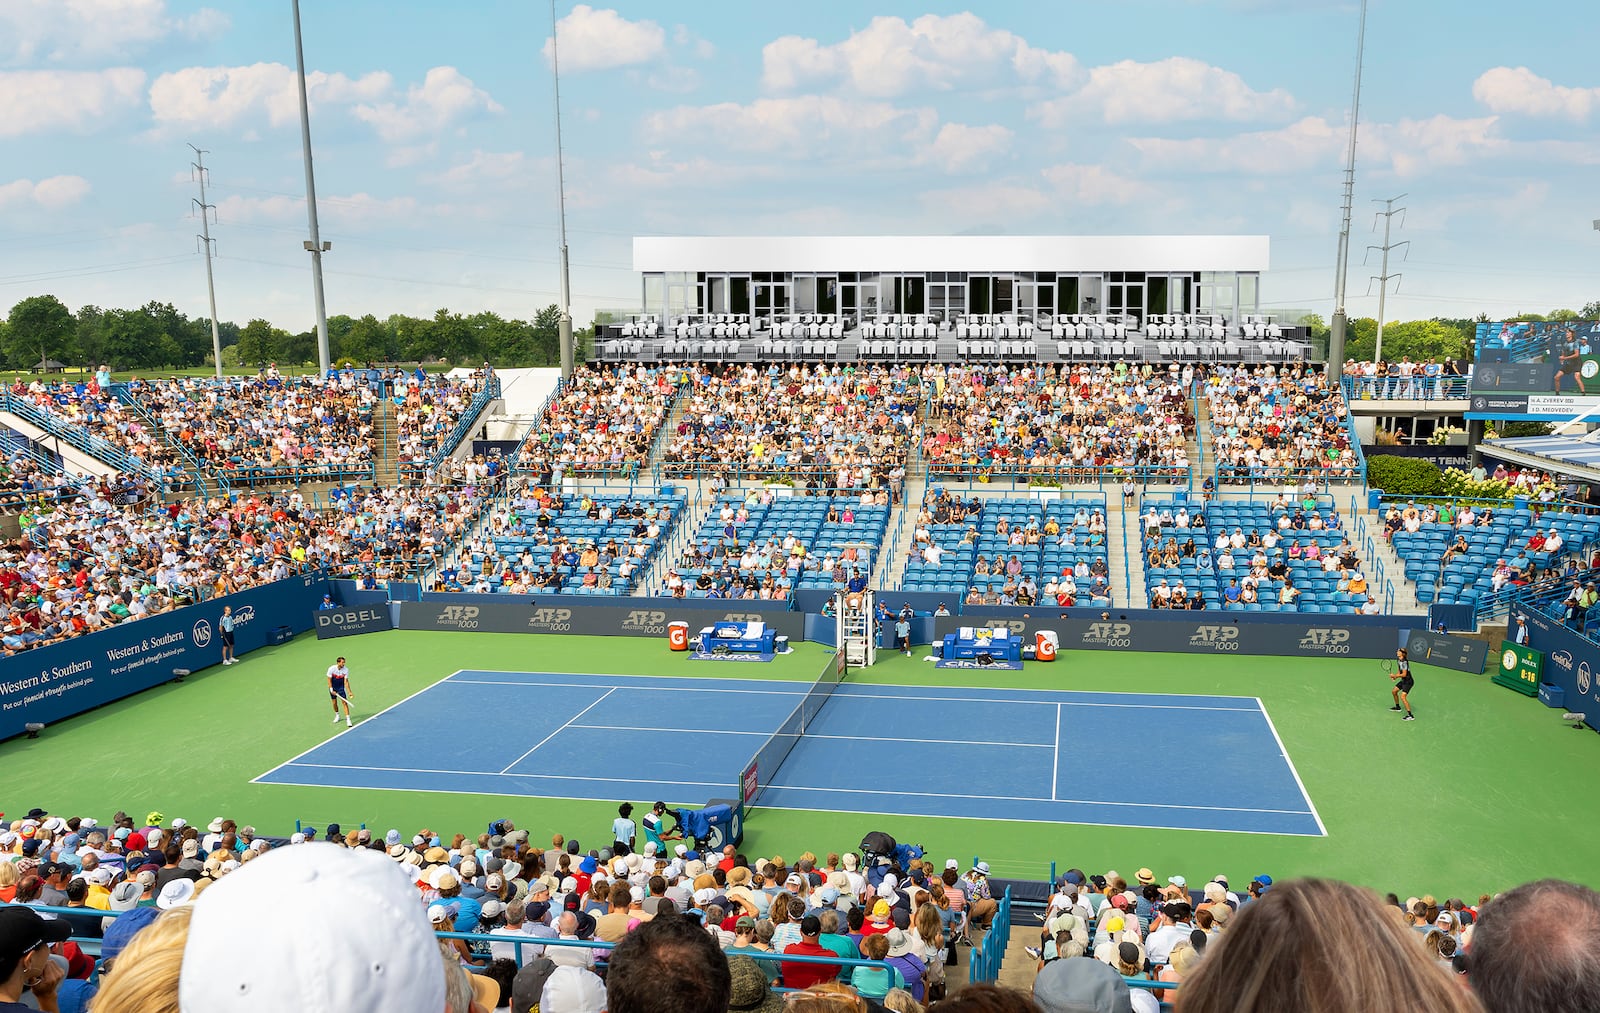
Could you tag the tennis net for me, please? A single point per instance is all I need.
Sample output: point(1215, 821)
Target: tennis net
point(763, 766)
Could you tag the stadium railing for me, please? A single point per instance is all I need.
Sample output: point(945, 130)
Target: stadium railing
point(79, 437)
point(416, 470)
point(1051, 476)
point(1383, 388)
point(990, 952)
point(125, 397)
point(514, 461)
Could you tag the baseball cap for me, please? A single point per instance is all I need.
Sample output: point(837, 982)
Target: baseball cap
point(350, 902)
point(573, 990)
point(527, 988)
point(1081, 985)
point(124, 928)
point(22, 929)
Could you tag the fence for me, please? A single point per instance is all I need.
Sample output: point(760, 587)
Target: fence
point(1398, 388)
point(1050, 476)
point(989, 954)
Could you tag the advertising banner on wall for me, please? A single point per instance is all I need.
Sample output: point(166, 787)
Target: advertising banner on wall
point(583, 620)
point(48, 684)
point(347, 622)
point(1327, 638)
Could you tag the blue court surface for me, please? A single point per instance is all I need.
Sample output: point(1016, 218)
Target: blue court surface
point(1110, 759)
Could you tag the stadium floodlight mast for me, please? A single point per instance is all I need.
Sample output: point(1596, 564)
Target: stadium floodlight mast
point(564, 325)
point(1342, 264)
point(314, 245)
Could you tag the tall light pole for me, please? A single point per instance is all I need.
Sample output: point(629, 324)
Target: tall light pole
point(565, 324)
point(206, 210)
point(1342, 265)
point(315, 244)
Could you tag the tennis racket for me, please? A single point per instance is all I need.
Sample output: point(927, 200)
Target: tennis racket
point(1388, 667)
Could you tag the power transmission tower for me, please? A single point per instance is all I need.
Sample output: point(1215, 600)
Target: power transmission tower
point(207, 211)
point(1387, 214)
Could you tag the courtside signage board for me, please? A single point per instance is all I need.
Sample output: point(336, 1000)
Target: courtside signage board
point(347, 622)
point(1520, 668)
point(48, 684)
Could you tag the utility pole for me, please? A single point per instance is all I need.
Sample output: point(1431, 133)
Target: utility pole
point(314, 245)
point(565, 323)
point(206, 211)
point(1387, 214)
point(1342, 264)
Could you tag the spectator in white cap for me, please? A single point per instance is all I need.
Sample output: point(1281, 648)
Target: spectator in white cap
point(981, 905)
point(573, 990)
point(354, 918)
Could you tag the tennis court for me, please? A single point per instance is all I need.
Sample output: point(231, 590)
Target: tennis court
point(1110, 759)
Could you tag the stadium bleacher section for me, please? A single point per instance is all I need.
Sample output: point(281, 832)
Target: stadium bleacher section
point(1278, 426)
point(602, 421)
point(765, 545)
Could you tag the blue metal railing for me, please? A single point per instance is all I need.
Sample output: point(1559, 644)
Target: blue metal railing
point(990, 476)
point(1414, 388)
point(125, 397)
point(79, 437)
point(988, 955)
point(469, 418)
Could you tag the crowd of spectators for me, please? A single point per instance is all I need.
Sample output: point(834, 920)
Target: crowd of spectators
point(90, 417)
point(603, 420)
point(648, 923)
point(841, 428)
point(1277, 425)
point(987, 420)
point(1425, 380)
point(536, 540)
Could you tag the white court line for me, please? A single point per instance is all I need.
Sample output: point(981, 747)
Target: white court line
point(483, 773)
point(801, 686)
point(1029, 798)
point(1055, 763)
point(653, 689)
point(565, 725)
point(380, 714)
point(1035, 703)
point(808, 735)
point(717, 784)
point(1284, 752)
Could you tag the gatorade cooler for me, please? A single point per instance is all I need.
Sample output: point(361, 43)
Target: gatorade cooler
point(678, 636)
point(1045, 643)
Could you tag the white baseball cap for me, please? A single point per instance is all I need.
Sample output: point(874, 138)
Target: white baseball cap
point(354, 903)
point(573, 990)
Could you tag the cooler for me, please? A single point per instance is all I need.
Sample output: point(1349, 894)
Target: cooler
point(678, 636)
point(1045, 644)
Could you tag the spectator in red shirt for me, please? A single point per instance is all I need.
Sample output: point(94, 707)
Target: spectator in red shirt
point(801, 976)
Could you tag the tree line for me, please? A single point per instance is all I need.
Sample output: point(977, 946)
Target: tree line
point(1437, 338)
point(157, 336)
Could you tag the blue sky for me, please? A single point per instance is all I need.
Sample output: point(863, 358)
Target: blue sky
point(433, 133)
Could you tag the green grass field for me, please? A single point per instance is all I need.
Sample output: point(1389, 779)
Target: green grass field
point(1475, 795)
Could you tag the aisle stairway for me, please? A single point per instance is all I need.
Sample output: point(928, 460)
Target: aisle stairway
point(1127, 571)
point(386, 467)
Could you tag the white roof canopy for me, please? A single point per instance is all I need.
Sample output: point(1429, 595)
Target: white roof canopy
point(979, 254)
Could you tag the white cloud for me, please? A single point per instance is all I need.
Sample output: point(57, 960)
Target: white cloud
point(225, 97)
point(990, 201)
point(601, 39)
point(1095, 184)
point(58, 31)
point(958, 147)
point(445, 97)
point(52, 194)
point(803, 125)
point(1520, 90)
point(1178, 88)
point(1407, 147)
point(482, 166)
point(37, 100)
point(357, 208)
point(892, 57)
point(1412, 146)
point(1309, 143)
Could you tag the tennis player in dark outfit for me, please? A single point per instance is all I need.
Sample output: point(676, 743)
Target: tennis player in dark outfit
point(1402, 684)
